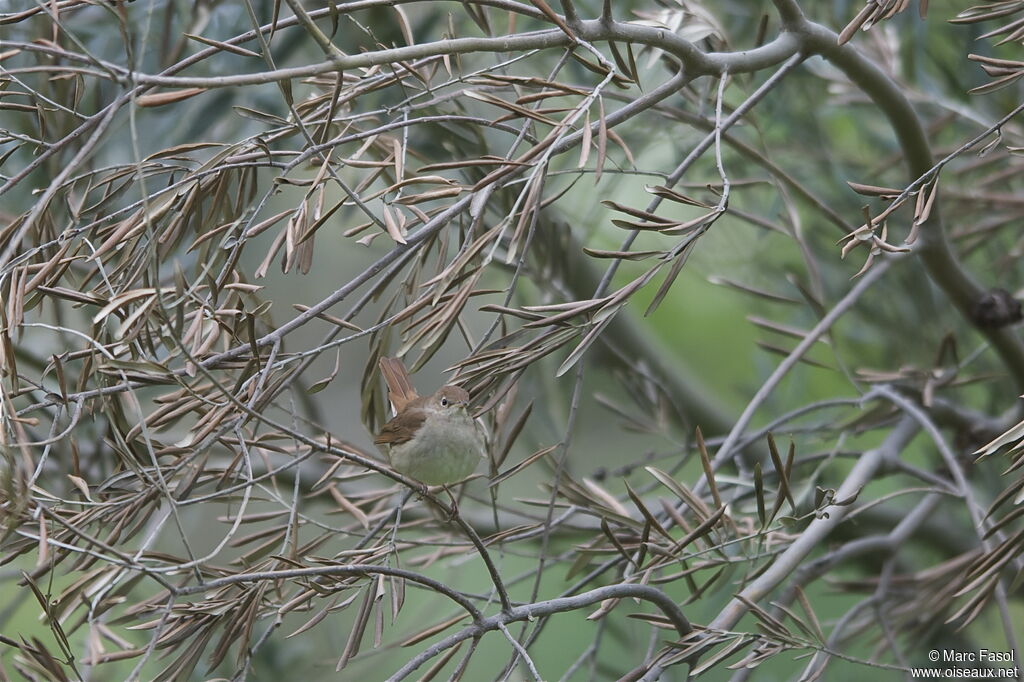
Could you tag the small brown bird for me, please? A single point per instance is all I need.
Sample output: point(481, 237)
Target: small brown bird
point(432, 438)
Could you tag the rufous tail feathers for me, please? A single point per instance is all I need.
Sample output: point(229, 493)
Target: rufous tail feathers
point(400, 388)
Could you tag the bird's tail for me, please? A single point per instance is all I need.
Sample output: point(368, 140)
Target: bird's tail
point(400, 388)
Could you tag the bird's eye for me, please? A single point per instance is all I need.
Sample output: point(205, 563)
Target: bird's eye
point(444, 402)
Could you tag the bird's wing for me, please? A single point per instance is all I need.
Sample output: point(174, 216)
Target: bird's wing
point(401, 428)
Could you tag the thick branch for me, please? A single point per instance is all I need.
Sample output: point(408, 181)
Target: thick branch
point(938, 257)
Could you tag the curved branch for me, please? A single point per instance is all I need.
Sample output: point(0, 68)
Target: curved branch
point(595, 30)
point(938, 257)
point(547, 608)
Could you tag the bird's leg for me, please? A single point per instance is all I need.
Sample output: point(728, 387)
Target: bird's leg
point(454, 511)
point(440, 512)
